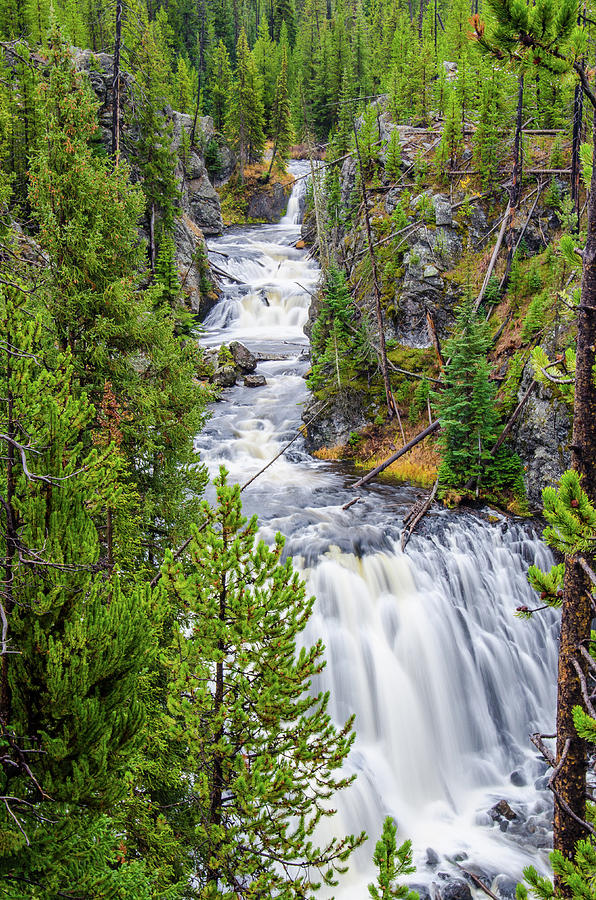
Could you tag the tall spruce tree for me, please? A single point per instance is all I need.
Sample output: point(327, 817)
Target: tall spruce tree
point(263, 753)
point(246, 118)
point(219, 86)
point(281, 118)
point(466, 406)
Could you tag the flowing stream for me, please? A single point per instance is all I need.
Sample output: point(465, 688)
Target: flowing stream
point(424, 647)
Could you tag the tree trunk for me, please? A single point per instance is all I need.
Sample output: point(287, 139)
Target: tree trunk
point(517, 181)
point(421, 17)
point(152, 238)
point(7, 598)
point(116, 86)
point(578, 108)
point(217, 785)
point(576, 617)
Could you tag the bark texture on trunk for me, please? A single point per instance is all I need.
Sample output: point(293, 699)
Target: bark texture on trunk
point(577, 612)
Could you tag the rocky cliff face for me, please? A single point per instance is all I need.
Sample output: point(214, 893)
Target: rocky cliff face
point(428, 245)
point(199, 204)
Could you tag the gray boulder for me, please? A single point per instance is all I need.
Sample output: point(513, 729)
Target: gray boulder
point(255, 381)
point(504, 887)
point(225, 377)
point(455, 889)
point(443, 210)
point(243, 358)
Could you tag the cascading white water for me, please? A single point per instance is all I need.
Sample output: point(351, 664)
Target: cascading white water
point(446, 684)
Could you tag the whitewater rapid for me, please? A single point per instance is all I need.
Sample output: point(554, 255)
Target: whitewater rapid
point(424, 648)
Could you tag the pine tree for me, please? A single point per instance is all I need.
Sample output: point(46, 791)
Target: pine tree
point(570, 531)
point(87, 213)
point(282, 120)
point(184, 87)
point(392, 862)
point(451, 139)
point(487, 137)
point(219, 86)
point(78, 637)
point(284, 13)
point(393, 156)
point(466, 407)
point(263, 751)
point(264, 56)
point(246, 118)
point(154, 153)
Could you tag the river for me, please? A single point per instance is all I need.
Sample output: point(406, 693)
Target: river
point(423, 647)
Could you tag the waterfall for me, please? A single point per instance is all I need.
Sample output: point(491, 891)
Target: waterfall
point(424, 648)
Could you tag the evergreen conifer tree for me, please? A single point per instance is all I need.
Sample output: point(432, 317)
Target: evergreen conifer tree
point(282, 118)
point(246, 118)
point(466, 407)
point(219, 86)
point(263, 751)
point(451, 139)
point(393, 155)
point(392, 862)
point(76, 638)
point(284, 13)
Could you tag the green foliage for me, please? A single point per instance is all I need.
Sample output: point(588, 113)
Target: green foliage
point(420, 399)
point(219, 86)
point(262, 750)
point(492, 293)
point(586, 155)
point(512, 381)
point(392, 862)
point(246, 117)
point(339, 346)
point(466, 407)
point(393, 156)
point(535, 317)
point(451, 139)
point(73, 705)
point(557, 377)
point(281, 116)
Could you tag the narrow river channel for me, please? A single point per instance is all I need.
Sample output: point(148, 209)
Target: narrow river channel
point(424, 648)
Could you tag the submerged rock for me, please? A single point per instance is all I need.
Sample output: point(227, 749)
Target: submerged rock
point(255, 381)
point(502, 810)
point(504, 887)
point(455, 889)
point(432, 857)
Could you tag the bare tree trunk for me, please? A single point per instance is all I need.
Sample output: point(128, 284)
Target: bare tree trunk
point(421, 17)
point(570, 783)
point(517, 181)
point(7, 596)
point(116, 86)
point(152, 238)
point(578, 109)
